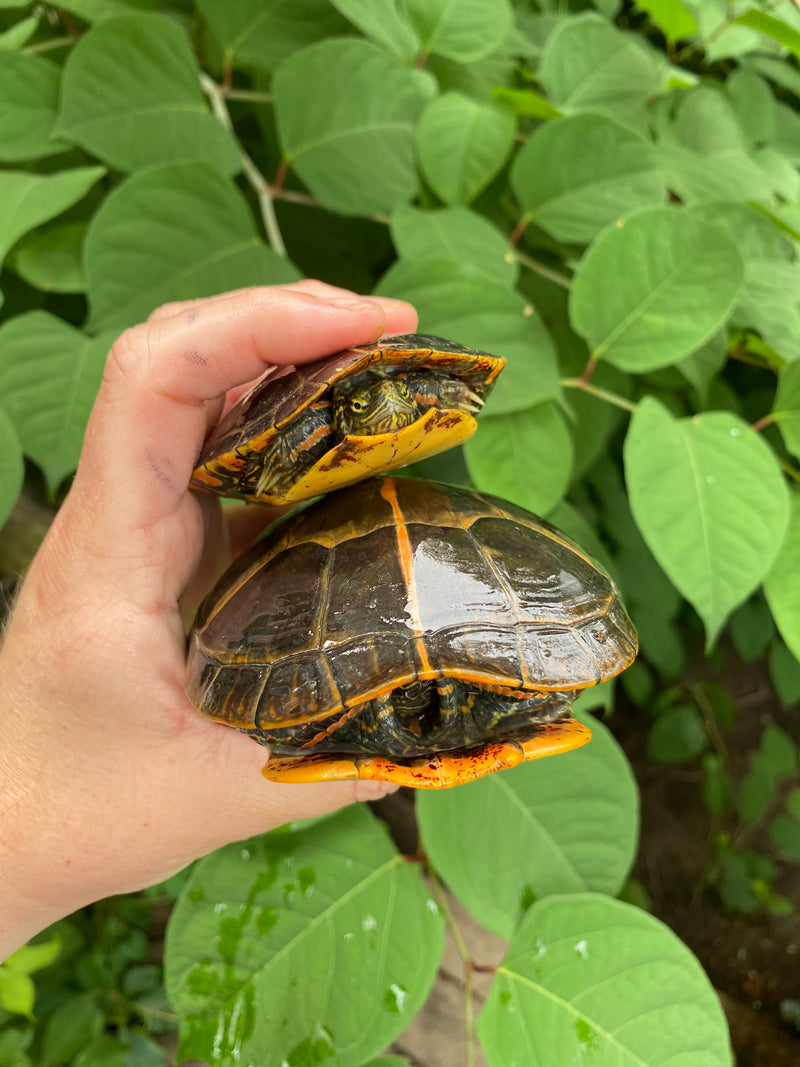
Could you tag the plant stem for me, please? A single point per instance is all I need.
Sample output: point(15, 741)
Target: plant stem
point(49, 45)
point(787, 468)
point(539, 268)
point(248, 94)
point(601, 394)
point(216, 96)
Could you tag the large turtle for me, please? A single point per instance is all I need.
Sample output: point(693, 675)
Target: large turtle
point(320, 426)
point(407, 631)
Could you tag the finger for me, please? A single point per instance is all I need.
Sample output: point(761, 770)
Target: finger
point(151, 413)
point(306, 285)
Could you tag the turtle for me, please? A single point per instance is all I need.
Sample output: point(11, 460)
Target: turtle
point(307, 430)
point(408, 631)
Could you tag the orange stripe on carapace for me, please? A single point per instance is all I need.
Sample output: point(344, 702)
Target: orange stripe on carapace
point(389, 494)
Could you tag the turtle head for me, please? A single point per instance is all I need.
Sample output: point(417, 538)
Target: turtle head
point(378, 406)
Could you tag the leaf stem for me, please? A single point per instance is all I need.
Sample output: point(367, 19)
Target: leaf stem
point(248, 94)
point(787, 468)
point(463, 951)
point(216, 96)
point(49, 45)
point(601, 394)
point(540, 268)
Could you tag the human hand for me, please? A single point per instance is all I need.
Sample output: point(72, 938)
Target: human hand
point(109, 779)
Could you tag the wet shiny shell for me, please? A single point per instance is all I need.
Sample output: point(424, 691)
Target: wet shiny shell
point(232, 458)
point(396, 579)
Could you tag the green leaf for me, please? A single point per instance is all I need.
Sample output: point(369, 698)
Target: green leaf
point(34, 956)
point(262, 33)
point(753, 103)
point(319, 944)
point(655, 288)
point(386, 24)
point(463, 30)
point(589, 65)
point(526, 102)
point(702, 367)
point(18, 35)
point(454, 233)
point(12, 468)
point(710, 501)
point(784, 831)
point(775, 758)
point(678, 734)
point(29, 200)
point(173, 233)
point(560, 825)
point(752, 630)
point(786, 409)
point(346, 114)
point(775, 28)
point(73, 1025)
point(593, 980)
point(782, 586)
point(462, 145)
point(784, 670)
point(49, 376)
point(17, 992)
point(672, 17)
point(29, 91)
point(524, 456)
point(131, 95)
point(456, 300)
point(50, 259)
point(13, 1044)
point(576, 175)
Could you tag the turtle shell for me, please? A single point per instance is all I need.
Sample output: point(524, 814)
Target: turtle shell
point(234, 457)
point(392, 583)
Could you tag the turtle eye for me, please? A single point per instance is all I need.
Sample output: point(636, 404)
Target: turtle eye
point(357, 405)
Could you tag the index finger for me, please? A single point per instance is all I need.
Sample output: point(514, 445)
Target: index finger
point(164, 381)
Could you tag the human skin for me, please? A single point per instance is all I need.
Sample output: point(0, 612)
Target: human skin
point(109, 779)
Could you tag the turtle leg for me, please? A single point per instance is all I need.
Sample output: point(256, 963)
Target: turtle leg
point(296, 449)
point(433, 390)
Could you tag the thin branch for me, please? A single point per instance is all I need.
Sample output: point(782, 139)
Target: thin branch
point(216, 96)
point(463, 951)
point(601, 394)
point(49, 45)
point(539, 268)
point(248, 94)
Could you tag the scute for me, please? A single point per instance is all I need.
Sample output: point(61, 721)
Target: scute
point(355, 596)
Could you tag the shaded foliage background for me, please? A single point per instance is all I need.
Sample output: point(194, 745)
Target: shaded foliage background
point(609, 197)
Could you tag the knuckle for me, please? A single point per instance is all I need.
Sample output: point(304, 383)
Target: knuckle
point(130, 355)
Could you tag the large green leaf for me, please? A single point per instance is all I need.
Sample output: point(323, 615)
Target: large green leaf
point(525, 456)
point(560, 825)
point(387, 24)
point(12, 468)
point(131, 95)
point(262, 33)
point(589, 65)
point(462, 145)
point(49, 375)
point(463, 30)
point(654, 288)
point(29, 199)
point(786, 409)
point(671, 16)
point(318, 944)
point(710, 501)
point(773, 27)
point(29, 92)
point(50, 259)
point(576, 175)
point(346, 115)
point(454, 233)
point(753, 103)
point(173, 233)
point(588, 980)
point(456, 300)
point(783, 583)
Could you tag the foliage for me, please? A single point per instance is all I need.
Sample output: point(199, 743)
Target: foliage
point(610, 199)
